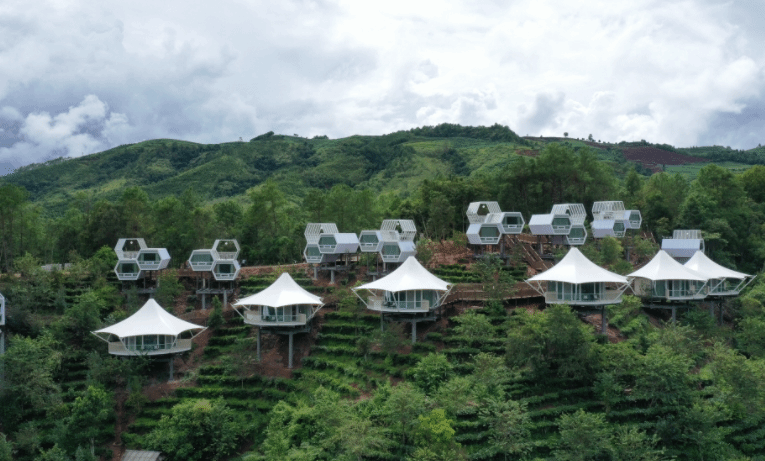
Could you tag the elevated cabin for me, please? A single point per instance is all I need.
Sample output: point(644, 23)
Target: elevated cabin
point(153, 259)
point(397, 251)
point(128, 248)
point(226, 270)
point(664, 279)
point(723, 282)
point(225, 249)
point(607, 210)
point(550, 224)
point(633, 218)
point(602, 228)
point(339, 243)
point(283, 304)
point(128, 270)
point(683, 244)
point(370, 241)
point(577, 235)
point(488, 223)
point(577, 281)
point(512, 222)
point(576, 211)
point(410, 288)
point(150, 331)
point(478, 211)
point(283, 308)
point(201, 260)
point(402, 230)
point(487, 233)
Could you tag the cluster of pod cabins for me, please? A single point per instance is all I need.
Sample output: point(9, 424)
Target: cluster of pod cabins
point(410, 293)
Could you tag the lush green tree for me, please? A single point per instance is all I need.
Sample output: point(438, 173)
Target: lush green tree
point(509, 425)
point(663, 377)
point(434, 438)
point(89, 414)
point(6, 449)
point(404, 404)
point(474, 327)
point(12, 203)
point(197, 430)
point(168, 289)
point(29, 365)
point(583, 436)
point(431, 371)
point(551, 341)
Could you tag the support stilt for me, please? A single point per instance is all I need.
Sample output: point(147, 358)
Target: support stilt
point(172, 365)
point(316, 272)
point(290, 359)
point(258, 344)
point(332, 276)
point(414, 331)
point(712, 309)
point(604, 321)
point(382, 322)
point(204, 301)
point(721, 312)
point(225, 298)
point(674, 314)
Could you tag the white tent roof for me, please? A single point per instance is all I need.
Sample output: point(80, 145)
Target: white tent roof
point(700, 262)
point(151, 319)
point(283, 292)
point(663, 267)
point(409, 276)
point(576, 268)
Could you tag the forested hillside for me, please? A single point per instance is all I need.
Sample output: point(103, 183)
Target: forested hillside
point(498, 377)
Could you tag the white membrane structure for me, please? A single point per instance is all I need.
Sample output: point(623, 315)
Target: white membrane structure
point(665, 279)
point(722, 281)
point(284, 307)
point(577, 281)
point(410, 289)
point(283, 303)
point(150, 331)
point(684, 243)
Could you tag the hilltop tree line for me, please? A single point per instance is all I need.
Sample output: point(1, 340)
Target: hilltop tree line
point(269, 221)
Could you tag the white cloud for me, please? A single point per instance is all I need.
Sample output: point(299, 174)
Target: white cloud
point(661, 71)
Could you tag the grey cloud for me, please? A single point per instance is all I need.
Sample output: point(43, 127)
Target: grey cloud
point(542, 114)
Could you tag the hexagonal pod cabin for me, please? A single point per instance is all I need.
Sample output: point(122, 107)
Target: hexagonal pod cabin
point(153, 259)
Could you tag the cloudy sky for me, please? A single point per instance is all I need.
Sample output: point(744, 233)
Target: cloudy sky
point(78, 77)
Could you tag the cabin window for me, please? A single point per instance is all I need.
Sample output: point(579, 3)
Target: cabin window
point(149, 257)
point(489, 232)
point(559, 222)
point(369, 238)
point(512, 221)
point(225, 268)
point(202, 258)
point(391, 250)
point(576, 233)
point(619, 227)
point(327, 240)
point(128, 268)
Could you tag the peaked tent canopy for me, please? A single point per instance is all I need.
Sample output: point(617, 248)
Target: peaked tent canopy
point(283, 292)
point(577, 269)
point(409, 276)
point(664, 267)
point(151, 319)
point(701, 263)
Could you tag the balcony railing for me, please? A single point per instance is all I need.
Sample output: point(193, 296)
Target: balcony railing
point(225, 276)
point(180, 345)
point(377, 303)
point(510, 228)
point(391, 257)
point(275, 319)
point(490, 240)
point(327, 248)
point(584, 299)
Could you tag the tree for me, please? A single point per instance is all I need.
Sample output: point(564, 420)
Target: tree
point(431, 371)
point(434, 438)
point(6, 449)
point(474, 327)
point(29, 365)
point(89, 414)
point(197, 430)
point(509, 425)
point(404, 404)
point(12, 201)
point(583, 436)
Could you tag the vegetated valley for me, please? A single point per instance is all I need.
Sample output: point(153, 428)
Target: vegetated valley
point(499, 376)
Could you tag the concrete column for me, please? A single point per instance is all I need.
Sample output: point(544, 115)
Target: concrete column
point(172, 365)
point(258, 344)
point(604, 321)
point(225, 298)
point(414, 331)
point(332, 276)
point(712, 309)
point(382, 324)
point(721, 312)
point(315, 272)
point(204, 299)
point(290, 359)
point(674, 314)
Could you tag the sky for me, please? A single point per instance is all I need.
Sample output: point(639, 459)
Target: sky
point(82, 76)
